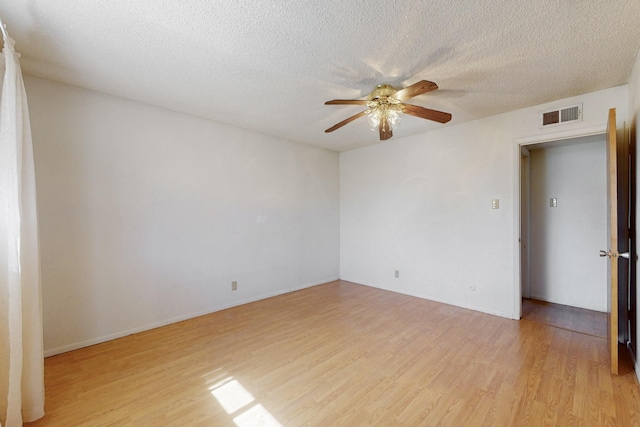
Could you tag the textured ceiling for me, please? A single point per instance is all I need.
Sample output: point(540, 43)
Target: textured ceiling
point(270, 65)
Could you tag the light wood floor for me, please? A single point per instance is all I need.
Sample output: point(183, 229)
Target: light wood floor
point(342, 354)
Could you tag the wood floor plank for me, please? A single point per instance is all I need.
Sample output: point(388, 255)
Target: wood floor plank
point(342, 354)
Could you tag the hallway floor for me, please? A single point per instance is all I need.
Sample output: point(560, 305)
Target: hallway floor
point(563, 316)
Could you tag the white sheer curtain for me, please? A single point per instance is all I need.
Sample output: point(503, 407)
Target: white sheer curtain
point(21, 348)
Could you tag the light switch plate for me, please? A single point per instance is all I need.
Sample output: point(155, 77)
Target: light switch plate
point(553, 202)
point(495, 204)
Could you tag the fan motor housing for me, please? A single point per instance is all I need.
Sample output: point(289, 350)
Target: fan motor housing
point(381, 90)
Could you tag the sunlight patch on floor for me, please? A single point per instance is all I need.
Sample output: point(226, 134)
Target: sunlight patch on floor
point(236, 400)
point(231, 395)
point(256, 416)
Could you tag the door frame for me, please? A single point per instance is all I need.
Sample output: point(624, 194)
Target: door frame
point(518, 144)
point(525, 221)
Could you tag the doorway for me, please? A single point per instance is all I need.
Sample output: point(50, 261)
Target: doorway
point(563, 210)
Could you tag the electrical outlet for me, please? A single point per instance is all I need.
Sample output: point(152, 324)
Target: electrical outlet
point(397, 274)
point(234, 286)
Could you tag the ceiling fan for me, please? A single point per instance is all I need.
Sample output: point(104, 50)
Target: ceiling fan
point(385, 104)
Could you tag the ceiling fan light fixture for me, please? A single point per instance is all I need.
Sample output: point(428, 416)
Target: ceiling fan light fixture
point(394, 117)
point(384, 106)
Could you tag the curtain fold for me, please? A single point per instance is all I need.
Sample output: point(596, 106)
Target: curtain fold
point(21, 339)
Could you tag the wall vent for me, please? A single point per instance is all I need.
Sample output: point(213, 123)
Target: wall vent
point(561, 116)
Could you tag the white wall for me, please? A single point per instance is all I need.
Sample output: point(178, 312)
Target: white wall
point(147, 215)
point(422, 205)
point(634, 124)
point(565, 239)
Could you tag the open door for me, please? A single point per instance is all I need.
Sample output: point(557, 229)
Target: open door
point(612, 253)
point(624, 226)
point(618, 227)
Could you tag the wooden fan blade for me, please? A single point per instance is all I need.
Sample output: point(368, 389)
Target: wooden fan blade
point(345, 121)
point(423, 86)
point(425, 113)
point(385, 129)
point(347, 102)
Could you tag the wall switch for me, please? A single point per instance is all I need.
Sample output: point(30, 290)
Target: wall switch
point(553, 202)
point(397, 274)
point(495, 204)
point(234, 286)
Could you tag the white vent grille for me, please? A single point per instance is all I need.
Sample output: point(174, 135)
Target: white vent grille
point(561, 116)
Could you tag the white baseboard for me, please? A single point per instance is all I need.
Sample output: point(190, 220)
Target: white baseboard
point(120, 334)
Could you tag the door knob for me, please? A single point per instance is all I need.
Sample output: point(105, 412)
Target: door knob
point(614, 254)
